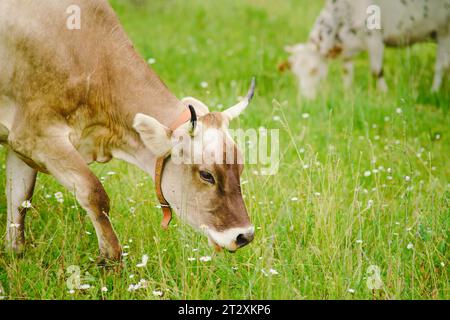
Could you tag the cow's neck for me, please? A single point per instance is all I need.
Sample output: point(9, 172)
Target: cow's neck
point(140, 90)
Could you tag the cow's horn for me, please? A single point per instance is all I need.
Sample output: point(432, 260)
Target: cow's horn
point(237, 109)
point(193, 119)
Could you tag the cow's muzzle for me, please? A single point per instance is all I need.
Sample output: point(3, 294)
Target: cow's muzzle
point(231, 239)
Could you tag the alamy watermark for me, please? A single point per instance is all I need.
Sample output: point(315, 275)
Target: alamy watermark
point(73, 21)
point(374, 281)
point(233, 146)
point(373, 21)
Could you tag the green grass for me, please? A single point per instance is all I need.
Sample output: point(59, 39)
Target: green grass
point(312, 243)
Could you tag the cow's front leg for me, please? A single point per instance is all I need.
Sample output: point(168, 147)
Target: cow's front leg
point(63, 161)
point(348, 73)
point(442, 61)
point(20, 180)
point(375, 47)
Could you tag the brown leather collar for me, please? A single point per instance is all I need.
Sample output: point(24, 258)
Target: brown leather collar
point(159, 168)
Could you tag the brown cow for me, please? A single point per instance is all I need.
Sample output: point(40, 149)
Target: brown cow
point(70, 97)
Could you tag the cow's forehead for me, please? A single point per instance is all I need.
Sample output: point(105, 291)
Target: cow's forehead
point(214, 138)
point(213, 120)
point(211, 137)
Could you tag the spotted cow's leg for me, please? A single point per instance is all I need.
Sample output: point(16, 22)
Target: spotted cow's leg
point(442, 61)
point(20, 180)
point(375, 47)
point(348, 73)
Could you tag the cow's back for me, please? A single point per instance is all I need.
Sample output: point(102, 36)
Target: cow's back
point(42, 59)
point(407, 22)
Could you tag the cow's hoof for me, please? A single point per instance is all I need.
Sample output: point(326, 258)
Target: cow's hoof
point(111, 254)
point(15, 248)
point(109, 264)
point(382, 86)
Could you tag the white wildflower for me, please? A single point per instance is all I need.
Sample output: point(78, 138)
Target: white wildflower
point(104, 289)
point(26, 204)
point(141, 284)
point(204, 84)
point(205, 259)
point(367, 173)
point(273, 271)
point(84, 286)
point(410, 246)
point(144, 261)
point(157, 293)
point(59, 197)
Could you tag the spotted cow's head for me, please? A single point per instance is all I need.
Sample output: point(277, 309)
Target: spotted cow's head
point(308, 66)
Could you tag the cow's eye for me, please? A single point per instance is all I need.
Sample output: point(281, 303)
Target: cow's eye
point(208, 177)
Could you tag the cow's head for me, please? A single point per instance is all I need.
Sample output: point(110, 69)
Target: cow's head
point(309, 66)
point(201, 179)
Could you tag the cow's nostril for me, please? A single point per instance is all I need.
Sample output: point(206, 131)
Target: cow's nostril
point(243, 239)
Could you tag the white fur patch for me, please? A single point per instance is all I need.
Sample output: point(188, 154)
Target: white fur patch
point(227, 239)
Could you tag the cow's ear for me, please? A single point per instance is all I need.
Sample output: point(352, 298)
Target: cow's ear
point(200, 108)
point(153, 134)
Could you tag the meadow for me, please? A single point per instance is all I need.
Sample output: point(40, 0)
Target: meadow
point(361, 196)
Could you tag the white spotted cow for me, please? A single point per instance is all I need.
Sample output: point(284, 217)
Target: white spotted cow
point(344, 28)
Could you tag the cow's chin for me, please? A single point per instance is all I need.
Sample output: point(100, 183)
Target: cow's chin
point(231, 247)
point(217, 242)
